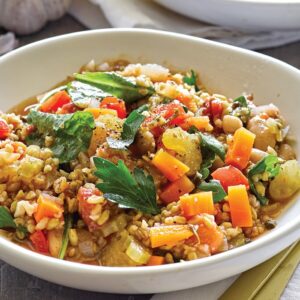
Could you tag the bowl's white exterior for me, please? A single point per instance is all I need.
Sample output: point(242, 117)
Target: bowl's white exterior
point(248, 15)
point(223, 69)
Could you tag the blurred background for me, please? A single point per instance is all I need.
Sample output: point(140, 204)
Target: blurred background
point(270, 27)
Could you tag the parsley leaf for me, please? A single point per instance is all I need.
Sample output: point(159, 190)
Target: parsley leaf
point(210, 147)
point(212, 144)
point(241, 100)
point(269, 164)
point(116, 85)
point(136, 191)
point(130, 128)
point(72, 132)
point(83, 94)
point(214, 186)
point(191, 80)
point(6, 219)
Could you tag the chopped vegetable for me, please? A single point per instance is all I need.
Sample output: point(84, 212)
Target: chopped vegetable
point(208, 233)
point(130, 128)
point(65, 239)
point(138, 253)
point(229, 176)
point(115, 104)
point(177, 188)
point(268, 164)
point(240, 209)
point(116, 85)
point(96, 112)
point(169, 235)
point(53, 103)
point(239, 151)
point(195, 204)
point(287, 181)
point(170, 166)
point(216, 188)
point(85, 95)
point(72, 132)
point(156, 260)
point(4, 130)
point(85, 208)
point(241, 100)
point(39, 241)
point(191, 80)
point(135, 191)
point(201, 123)
point(47, 208)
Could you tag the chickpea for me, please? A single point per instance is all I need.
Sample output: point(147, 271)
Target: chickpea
point(231, 124)
point(286, 152)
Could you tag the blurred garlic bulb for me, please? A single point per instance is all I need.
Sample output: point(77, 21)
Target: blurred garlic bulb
point(27, 16)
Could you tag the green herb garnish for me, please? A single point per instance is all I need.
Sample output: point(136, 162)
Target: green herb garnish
point(130, 128)
point(116, 85)
point(65, 239)
point(72, 132)
point(191, 80)
point(7, 221)
point(210, 147)
point(214, 186)
point(136, 191)
point(269, 164)
point(241, 100)
point(83, 94)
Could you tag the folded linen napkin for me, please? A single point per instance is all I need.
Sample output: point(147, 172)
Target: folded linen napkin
point(148, 14)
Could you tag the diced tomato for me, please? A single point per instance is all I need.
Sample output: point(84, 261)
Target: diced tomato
point(172, 112)
point(85, 208)
point(230, 176)
point(4, 130)
point(213, 108)
point(115, 104)
point(53, 103)
point(40, 242)
point(68, 108)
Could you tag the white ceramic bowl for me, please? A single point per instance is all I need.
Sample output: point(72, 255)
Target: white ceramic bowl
point(248, 15)
point(224, 69)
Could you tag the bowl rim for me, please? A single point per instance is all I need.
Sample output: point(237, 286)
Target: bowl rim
point(206, 261)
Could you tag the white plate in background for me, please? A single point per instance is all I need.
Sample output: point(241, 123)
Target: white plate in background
point(246, 15)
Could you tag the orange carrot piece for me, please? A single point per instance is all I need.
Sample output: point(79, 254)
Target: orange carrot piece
point(239, 151)
point(169, 235)
point(47, 208)
point(240, 209)
point(170, 166)
point(156, 260)
point(199, 203)
point(201, 123)
point(208, 233)
point(177, 188)
point(96, 112)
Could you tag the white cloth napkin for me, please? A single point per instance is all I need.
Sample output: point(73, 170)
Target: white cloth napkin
point(148, 14)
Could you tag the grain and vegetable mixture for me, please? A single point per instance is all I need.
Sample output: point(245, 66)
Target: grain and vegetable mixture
point(130, 164)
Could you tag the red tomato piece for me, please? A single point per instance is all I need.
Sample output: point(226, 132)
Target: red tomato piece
point(68, 108)
point(216, 108)
point(115, 104)
point(53, 103)
point(4, 130)
point(86, 208)
point(230, 176)
point(40, 242)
